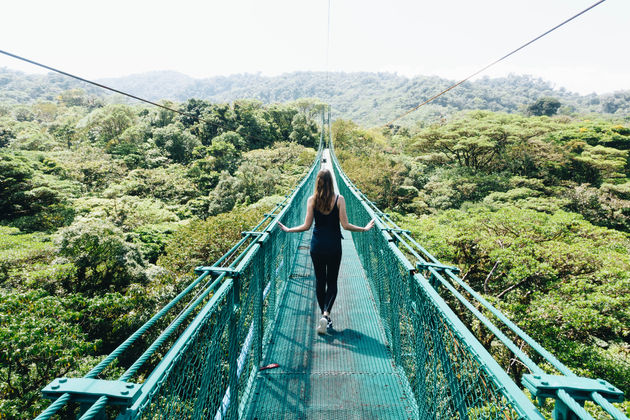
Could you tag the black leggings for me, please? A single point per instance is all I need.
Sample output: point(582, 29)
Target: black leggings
point(326, 272)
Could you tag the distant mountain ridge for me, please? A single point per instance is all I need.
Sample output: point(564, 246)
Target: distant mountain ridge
point(367, 98)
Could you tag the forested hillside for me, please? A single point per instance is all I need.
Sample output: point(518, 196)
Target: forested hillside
point(106, 209)
point(367, 98)
point(534, 210)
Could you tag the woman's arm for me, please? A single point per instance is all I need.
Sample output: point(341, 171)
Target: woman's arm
point(343, 218)
point(308, 220)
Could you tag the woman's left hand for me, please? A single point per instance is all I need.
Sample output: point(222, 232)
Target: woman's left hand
point(369, 226)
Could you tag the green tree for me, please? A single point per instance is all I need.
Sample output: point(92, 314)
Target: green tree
point(253, 127)
point(176, 141)
point(476, 143)
point(281, 117)
point(193, 109)
point(104, 260)
point(74, 97)
point(15, 182)
point(6, 134)
point(42, 339)
point(304, 131)
point(309, 107)
point(216, 120)
point(202, 241)
point(233, 138)
point(27, 203)
point(226, 155)
point(544, 106)
point(204, 174)
point(105, 124)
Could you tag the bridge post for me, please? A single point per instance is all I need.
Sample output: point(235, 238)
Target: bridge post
point(418, 305)
point(275, 268)
point(233, 354)
point(394, 312)
point(321, 136)
point(379, 285)
point(457, 399)
point(261, 276)
point(329, 127)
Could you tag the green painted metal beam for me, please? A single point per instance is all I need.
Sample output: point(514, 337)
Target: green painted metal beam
point(90, 390)
point(580, 388)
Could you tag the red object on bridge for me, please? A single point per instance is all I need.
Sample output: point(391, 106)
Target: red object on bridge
point(271, 366)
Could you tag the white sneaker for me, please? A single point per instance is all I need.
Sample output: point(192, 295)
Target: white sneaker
point(322, 325)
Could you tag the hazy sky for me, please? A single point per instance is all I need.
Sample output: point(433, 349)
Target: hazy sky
point(448, 38)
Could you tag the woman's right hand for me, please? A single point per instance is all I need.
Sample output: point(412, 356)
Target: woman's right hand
point(369, 226)
point(283, 227)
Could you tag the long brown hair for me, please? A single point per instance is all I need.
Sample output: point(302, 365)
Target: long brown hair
point(324, 191)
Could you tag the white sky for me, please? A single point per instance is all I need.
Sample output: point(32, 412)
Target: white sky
point(448, 38)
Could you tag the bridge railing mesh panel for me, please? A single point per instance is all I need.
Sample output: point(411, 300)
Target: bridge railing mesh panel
point(209, 371)
point(450, 372)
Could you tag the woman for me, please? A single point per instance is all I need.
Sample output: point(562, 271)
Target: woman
point(329, 210)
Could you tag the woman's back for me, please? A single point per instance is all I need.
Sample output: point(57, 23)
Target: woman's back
point(327, 232)
point(326, 241)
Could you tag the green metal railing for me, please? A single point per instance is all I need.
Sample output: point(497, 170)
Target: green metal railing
point(452, 374)
point(209, 369)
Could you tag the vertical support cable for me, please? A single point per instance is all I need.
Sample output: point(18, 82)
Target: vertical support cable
point(329, 127)
point(321, 135)
point(421, 352)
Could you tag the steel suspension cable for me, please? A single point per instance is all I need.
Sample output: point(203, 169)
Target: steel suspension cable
point(328, 53)
point(493, 63)
point(186, 114)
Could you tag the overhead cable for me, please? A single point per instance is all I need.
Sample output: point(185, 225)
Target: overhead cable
point(187, 114)
point(493, 63)
point(328, 51)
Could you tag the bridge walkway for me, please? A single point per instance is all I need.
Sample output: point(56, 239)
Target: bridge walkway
point(347, 374)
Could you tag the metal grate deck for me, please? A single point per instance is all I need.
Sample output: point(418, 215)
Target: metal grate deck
point(348, 374)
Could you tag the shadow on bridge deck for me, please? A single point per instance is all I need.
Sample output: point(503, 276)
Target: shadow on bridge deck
point(348, 374)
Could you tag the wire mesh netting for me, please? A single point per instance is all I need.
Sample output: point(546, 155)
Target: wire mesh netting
point(450, 379)
point(210, 369)
point(346, 373)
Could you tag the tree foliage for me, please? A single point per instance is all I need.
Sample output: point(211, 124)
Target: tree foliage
point(544, 106)
point(530, 264)
point(99, 211)
point(371, 99)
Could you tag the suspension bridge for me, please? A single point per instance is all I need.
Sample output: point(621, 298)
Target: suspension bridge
point(244, 344)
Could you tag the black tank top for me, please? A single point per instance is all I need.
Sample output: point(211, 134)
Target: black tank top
point(326, 237)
